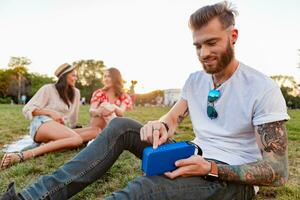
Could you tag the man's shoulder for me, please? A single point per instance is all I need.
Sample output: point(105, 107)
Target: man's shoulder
point(197, 75)
point(255, 78)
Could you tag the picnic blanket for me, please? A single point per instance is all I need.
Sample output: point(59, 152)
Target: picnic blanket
point(24, 143)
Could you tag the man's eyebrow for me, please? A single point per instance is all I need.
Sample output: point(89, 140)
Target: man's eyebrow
point(205, 41)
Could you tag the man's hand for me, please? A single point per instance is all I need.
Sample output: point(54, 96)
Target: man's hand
point(193, 166)
point(154, 132)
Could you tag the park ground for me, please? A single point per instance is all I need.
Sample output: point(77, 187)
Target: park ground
point(13, 125)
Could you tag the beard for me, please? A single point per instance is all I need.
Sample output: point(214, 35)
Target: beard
point(222, 61)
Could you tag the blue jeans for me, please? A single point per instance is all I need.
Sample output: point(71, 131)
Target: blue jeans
point(93, 161)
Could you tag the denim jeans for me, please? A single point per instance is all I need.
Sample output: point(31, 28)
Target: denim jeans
point(93, 161)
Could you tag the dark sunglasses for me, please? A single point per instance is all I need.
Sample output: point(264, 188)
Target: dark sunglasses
point(213, 95)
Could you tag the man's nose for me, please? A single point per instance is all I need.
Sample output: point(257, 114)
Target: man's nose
point(204, 52)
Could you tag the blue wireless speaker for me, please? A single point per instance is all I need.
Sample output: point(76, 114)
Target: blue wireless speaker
point(161, 160)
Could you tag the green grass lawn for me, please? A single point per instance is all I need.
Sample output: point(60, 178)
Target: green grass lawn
point(13, 125)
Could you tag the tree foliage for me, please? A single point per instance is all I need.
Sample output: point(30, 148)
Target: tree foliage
point(13, 82)
point(19, 67)
point(5, 79)
point(36, 81)
point(16, 80)
point(148, 98)
point(287, 82)
point(89, 73)
point(132, 86)
point(292, 102)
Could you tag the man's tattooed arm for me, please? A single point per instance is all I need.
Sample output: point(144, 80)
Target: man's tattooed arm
point(273, 168)
point(182, 116)
point(176, 115)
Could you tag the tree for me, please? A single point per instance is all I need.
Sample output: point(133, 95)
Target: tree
point(292, 102)
point(132, 86)
point(19, 66)
point(287, 82)
point(132, 91)
point(89, 73)
point(149, 98)
point(5, 78)
point(36, 81)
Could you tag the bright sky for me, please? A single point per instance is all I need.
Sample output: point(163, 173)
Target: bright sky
point(148, 40)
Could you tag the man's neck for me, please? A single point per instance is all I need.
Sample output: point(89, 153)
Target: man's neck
point(225, 74)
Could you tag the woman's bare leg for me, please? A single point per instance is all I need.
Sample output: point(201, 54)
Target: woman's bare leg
point(55, 136)
point(88, 133)
point(97, 122)
point(107, 119)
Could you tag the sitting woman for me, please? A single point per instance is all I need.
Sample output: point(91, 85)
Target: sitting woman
point(110, 101)
point(53, 111)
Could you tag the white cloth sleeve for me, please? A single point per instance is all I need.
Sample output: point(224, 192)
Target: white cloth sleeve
point(186, 89)
point(75, 113)
point(38, 101)
point(270, 107)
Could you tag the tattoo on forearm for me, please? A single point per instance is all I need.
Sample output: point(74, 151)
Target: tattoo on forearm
point(272, 170)
point(273, 137)
point(182, 116)
point(259, 173)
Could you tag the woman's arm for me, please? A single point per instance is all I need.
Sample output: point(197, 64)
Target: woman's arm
point(120, 110)
point(75, 112)
point(54, 115)
point(38, 101)
point(125, 105)
point(94, 112)
point(105, 109)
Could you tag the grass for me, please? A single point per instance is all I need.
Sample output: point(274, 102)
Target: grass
point(13, 125)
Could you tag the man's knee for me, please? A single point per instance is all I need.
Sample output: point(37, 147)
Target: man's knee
point(122, 123)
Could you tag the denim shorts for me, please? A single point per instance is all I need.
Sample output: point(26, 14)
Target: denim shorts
point(36, 122)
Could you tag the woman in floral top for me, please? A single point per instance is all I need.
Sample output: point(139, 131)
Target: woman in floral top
point(110, 101)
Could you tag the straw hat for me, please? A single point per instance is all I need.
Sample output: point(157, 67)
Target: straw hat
point(62, 69)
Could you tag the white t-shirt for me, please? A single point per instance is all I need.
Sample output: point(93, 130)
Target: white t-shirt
point(248, 98)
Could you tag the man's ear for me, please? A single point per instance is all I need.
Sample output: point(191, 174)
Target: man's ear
point(234, 35)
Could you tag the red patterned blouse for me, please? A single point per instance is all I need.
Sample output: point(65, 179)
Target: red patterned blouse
point(101, 96)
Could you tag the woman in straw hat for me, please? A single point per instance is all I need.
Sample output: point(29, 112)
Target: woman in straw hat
point(53, 111)
point(110, 101)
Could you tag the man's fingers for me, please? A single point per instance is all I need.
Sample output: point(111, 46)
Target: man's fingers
point(176, 173)
point(188, 161)
point(163, 138)
point(148, 128)
point(155, 138)
point(149, 132)
point(152, 133)
point(189, 170)
point(142, 134)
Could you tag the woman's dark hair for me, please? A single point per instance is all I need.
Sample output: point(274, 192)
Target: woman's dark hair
point(117, 81)
point(65, 91)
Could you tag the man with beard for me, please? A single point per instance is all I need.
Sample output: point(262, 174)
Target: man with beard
point(238, 117)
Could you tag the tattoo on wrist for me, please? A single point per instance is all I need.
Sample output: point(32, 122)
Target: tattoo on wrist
point(182, 116)
point(166, 126)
